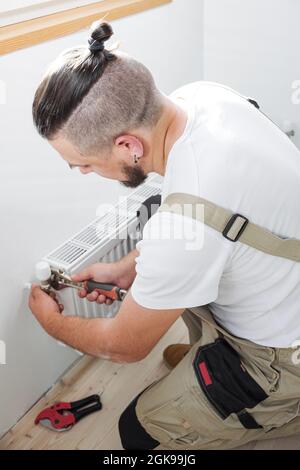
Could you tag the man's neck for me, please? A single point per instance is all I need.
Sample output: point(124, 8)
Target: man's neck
point(169, 128)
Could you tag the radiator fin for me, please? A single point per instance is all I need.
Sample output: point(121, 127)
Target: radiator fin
point(68, 253)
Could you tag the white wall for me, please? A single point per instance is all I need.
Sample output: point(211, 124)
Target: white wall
point(42, 202)
point(253, 46)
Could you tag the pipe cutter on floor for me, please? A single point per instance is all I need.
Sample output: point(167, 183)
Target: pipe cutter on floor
point(63, 415)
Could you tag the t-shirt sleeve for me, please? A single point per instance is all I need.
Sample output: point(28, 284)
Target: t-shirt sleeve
point(180, 263)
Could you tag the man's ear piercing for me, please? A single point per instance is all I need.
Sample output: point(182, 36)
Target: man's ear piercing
point(136, 160)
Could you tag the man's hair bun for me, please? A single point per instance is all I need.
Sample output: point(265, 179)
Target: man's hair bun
point(101, 32)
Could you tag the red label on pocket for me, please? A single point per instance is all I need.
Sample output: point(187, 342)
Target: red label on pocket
point(205, 373)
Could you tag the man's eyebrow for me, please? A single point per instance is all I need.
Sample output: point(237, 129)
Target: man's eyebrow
point(76, 166)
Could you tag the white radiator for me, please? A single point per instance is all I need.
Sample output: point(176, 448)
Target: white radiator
point(108, 238)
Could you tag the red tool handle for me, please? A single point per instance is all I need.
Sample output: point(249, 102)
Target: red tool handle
point(109, 290)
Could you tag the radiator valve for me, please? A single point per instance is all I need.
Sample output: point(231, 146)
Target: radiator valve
point(43, 274)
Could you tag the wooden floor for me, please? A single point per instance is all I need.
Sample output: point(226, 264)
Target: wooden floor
point(118, 384)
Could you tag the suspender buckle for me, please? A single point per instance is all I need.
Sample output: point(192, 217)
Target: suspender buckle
point(235, 227)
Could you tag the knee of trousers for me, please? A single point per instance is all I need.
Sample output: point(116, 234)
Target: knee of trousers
point(132, 434)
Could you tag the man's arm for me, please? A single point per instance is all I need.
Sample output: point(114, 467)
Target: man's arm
point(129, 337)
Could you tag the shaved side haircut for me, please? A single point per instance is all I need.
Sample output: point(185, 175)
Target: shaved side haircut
point(91, 95)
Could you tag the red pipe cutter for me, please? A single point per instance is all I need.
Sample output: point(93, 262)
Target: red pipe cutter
point(63, 415)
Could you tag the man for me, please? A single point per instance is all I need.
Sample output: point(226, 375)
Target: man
point(229, 276)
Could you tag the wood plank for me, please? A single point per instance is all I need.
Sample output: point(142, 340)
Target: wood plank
point(32, 32)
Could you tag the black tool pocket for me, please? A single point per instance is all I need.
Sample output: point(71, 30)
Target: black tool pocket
point(226, 383)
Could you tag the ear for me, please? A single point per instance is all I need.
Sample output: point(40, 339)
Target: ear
point(131, 145)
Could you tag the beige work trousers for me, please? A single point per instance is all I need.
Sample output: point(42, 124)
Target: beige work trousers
point(177, 413)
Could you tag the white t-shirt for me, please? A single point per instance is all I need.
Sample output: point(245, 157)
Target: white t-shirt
point(234, 156)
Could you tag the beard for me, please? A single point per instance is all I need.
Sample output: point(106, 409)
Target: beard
point(134, 176)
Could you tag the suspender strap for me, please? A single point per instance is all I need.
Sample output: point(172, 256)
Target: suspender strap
point(234, 227)
point(247, 420)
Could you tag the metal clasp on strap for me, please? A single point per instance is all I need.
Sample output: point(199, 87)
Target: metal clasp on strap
point(235, 227)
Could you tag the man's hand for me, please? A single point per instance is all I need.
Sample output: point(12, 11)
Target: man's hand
point(121, 274)
point(44, 307)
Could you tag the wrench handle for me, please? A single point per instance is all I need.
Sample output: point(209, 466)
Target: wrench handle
point(109, 290)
